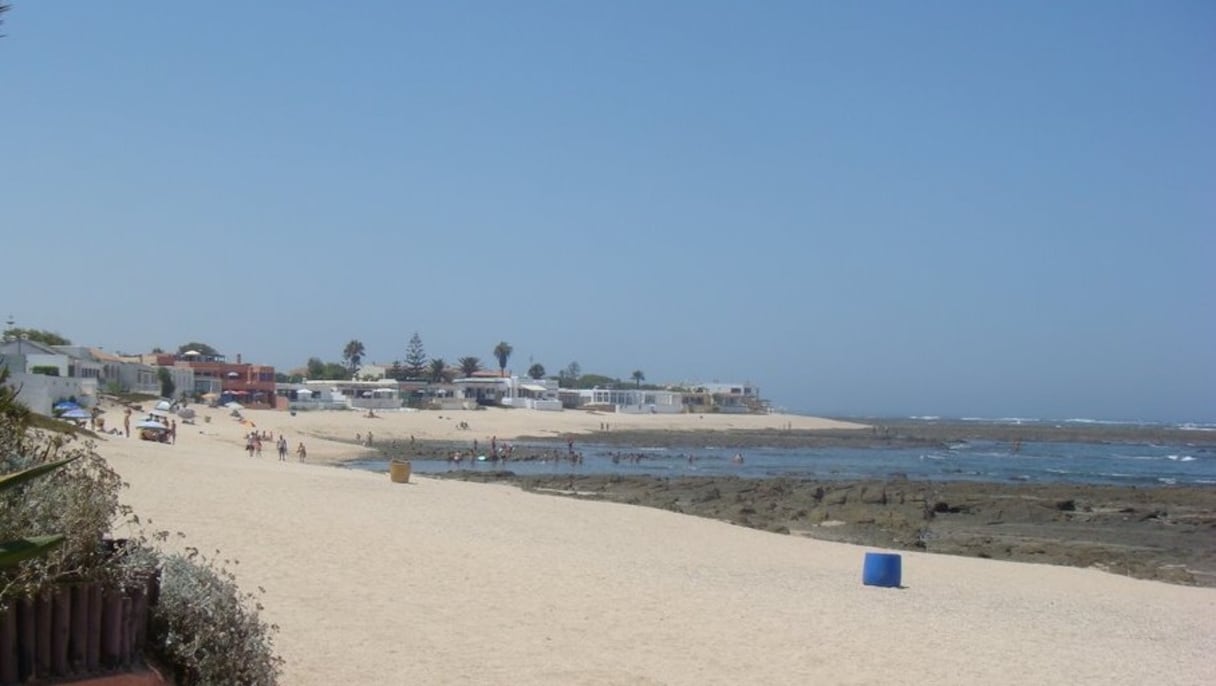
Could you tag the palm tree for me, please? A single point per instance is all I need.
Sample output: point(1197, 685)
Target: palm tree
point(537, 371)
point(503, 352)
point(469, 366)
point(638, 377)
point(353, 354)
point(439, 370)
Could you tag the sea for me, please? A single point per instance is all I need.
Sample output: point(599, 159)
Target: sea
point(1120, 464)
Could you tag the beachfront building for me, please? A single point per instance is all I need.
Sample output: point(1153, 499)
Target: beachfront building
point(624, 400)
point(46, 376)
point(119, 375)
point(334, 395)
point(251, 385)
point(508, 391)
point(534, 394)
point(730, 398)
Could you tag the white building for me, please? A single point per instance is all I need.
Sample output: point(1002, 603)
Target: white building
point(46, 376)
point(627, 400)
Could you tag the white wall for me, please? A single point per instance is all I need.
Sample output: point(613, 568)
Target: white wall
point(40, 392)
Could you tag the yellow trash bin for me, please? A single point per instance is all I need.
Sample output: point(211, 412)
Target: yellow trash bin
point(399, 471)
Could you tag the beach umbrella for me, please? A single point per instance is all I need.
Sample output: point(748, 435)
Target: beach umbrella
point(157, 413)
point(149, 424)
point(77, 413)
point(65, 405)
point(186, 413)
point(234, 406)
point(164, 405)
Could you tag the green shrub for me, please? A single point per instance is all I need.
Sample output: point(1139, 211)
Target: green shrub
point(46, 370)
point(203, 627)
point(79, 500)
point(207, 630)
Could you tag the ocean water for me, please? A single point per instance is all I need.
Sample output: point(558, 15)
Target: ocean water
point(987, 461)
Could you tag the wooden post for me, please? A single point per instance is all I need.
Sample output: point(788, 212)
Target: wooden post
point(111, 627)
point(140, 617)
point(42, 651)
point(61, 620)
point(92, 655)
point(26, 633)
point(8, 644)
point(78, 640)
point(125, 646)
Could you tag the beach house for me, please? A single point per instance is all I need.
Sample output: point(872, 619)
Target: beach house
point(46, 375)
point(729, 398)
point(251, 385)
point(118, 375)
point(624, 400)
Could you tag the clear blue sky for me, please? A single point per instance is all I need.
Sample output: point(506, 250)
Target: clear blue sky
point(951, 208)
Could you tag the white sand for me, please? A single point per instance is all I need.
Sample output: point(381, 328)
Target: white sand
point(443, 582)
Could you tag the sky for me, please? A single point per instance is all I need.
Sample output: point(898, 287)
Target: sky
point(881, 209)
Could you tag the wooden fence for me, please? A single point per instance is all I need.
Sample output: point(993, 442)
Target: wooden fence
point(75, 631)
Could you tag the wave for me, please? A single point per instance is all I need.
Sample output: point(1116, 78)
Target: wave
point(1180, 458)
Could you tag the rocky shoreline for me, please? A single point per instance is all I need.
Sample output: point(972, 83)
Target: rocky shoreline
point(1163, 533)
point(1166, 534)
point(903, 433)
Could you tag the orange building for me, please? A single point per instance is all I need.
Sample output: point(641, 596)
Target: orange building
point(251, 385)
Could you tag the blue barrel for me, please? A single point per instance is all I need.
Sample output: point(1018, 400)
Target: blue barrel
point(881, 569)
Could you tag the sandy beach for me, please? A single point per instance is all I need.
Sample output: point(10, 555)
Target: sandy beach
point(449, 582)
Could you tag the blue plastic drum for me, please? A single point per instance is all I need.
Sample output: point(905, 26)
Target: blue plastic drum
point(882, 569)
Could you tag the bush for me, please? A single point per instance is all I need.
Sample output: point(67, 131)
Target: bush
point(45, 370)
point(203, 627)
point(80, 501)
point(208, 630)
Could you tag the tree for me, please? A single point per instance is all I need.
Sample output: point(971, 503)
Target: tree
point(597, 381)
point(397, 371)
point(353, 354)
point(316, 368)
point(4, 7)
point(438, 370)
point(335, 372)
point(415, 358)
point(36, 335)
point(469, 366)
point(166, 382)
point(537, 371)
point(503, 352)
point(197, 347)
point(568, 377)
point(638, 377)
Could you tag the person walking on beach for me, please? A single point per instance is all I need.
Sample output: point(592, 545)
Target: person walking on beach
point(282, 448)
point(301, 452)
point(173, 431)
point(126, 422)
point(249, 444)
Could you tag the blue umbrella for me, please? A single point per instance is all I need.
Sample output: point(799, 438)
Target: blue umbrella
point(77, 413)
point(65, 405)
